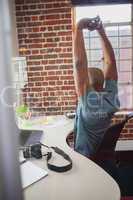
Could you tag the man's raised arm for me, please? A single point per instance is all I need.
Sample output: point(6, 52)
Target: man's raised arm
point(81, 64)
point(110, 71)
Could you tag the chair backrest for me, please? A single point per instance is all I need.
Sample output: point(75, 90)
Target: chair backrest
point(111, 136)
point(108, 144)
point(113, 133)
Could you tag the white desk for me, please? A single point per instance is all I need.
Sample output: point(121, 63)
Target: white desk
point(86, 180)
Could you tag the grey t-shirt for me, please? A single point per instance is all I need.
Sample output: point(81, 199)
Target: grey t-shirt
point(93, 116)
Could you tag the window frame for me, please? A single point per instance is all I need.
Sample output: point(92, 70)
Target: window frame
point(98, 2)
point(121, 24)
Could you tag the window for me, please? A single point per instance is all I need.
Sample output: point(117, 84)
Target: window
point(119, 30)
point(20, 78)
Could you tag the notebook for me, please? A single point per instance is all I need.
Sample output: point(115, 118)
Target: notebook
point(30, 173)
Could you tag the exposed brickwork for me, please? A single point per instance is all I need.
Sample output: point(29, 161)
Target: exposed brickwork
point(45, 38)
point(127, 132)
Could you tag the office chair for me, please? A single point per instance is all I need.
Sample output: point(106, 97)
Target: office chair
point(106, 150)
point(112, 161)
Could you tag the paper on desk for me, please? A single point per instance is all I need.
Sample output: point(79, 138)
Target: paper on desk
point(41, 122)
point(21, 157)
point(30, 173)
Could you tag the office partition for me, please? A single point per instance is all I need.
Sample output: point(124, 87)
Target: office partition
point(10, 183)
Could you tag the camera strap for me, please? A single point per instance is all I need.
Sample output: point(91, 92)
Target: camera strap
point(59, 168)
point(36, 152)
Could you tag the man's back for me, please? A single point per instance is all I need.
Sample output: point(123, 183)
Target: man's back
point(94, 113)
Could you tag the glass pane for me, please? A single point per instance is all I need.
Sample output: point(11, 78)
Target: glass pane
point(96, 55)
point(95, 43)
point(125, 54)
point(86, 33)
point(97, 64)
point(125, 77)
point(87, 43)
point(125, 42)
point(125, 66)
point(125, 96)
point(114, 41)
point(108, 13)
point(116, 51)
point(94, 34)
point(117, 65)
point(112, 31)
point(125, 30)
point(88, 55)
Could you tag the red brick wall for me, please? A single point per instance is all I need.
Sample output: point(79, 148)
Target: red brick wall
point(127, 132)
point(45, 38)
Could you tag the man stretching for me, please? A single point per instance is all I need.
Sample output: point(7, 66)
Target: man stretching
point(96, 103)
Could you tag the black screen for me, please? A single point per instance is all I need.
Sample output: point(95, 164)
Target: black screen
point(29, 137)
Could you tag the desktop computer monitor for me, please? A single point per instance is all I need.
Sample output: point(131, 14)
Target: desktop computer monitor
point(29, 137)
